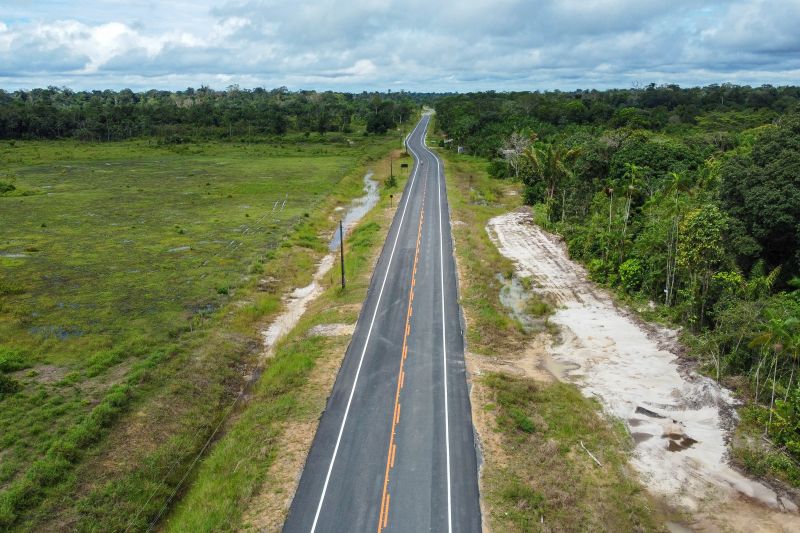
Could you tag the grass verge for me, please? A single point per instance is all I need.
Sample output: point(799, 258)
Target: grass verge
point(536, 475)
point(248, 479)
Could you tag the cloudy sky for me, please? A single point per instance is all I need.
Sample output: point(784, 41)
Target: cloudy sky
point(428, 45)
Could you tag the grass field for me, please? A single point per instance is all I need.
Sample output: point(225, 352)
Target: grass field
point(127, 290)
point(247, 480)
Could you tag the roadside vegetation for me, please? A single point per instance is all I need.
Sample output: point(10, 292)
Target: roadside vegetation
point(247, 481)
point(135, 278)
point(536, 475)
point(686, 202)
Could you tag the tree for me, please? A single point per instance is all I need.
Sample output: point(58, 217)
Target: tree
point(701, 253)
point(514, 148)
point(761, 192)
point(779, 337)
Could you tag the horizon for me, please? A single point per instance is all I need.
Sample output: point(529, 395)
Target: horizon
point(356, 92)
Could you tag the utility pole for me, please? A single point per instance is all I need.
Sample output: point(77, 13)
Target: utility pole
point(341, 249)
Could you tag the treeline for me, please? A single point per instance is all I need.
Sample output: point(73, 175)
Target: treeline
point(687, 198)
point(55, 113)
point(481, 121)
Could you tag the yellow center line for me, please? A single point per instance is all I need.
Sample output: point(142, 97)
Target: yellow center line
point(383, 517)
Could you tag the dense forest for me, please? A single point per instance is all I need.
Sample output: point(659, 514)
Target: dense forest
point(685, 198)
point(54, 113)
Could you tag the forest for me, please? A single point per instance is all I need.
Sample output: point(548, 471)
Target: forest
point(686, 202)
point(193, 114)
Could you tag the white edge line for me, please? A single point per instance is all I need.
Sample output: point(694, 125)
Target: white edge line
point(366, 343)
point(444, 339)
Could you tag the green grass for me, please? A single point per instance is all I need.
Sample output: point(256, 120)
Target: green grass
point(127, 293)
point(549, 482)
point(758, 457)
point(237, 468)
point(474, 199)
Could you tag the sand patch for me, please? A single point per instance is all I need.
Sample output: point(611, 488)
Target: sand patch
point(682, 420)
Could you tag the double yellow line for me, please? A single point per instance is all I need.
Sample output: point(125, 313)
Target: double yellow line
point(383, 518)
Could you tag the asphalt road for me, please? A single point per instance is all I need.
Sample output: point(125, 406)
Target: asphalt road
point(395, 449)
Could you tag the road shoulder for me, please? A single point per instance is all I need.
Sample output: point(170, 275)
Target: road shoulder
point(536, 434)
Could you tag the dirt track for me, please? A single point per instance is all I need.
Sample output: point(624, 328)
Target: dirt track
point(678, 419)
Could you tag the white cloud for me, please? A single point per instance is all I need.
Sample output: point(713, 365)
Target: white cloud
point(418, 44)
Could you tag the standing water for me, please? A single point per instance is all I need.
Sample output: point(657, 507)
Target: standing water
point(358, 208)
point(297, 302)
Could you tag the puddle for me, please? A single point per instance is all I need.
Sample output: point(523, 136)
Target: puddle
point(299, 299)
point(358, 208)
point(13, 255)
point(674, 527)
point(613, 357)
point(678, 445)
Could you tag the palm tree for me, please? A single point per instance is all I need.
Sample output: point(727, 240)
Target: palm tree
point(550, 166)
point(778, 335)
point(678, 183)
point(632, 173)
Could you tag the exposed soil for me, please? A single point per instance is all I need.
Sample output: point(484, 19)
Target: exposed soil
point(679, 420)
point(297, 302)
point(332, 330)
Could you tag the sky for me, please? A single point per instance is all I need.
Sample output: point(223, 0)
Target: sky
point(415, 45)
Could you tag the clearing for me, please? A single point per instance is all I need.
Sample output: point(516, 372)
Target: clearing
point(679, 420)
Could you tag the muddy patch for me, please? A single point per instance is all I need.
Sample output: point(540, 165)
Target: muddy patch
point(47, 374)
point(681, 418)
point(332, 330)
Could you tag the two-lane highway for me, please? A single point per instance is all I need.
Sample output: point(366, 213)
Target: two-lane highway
point(395, 449)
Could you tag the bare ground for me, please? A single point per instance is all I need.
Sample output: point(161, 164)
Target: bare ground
point(679, 419)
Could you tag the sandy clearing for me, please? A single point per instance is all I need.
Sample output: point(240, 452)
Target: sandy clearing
point(679, 419)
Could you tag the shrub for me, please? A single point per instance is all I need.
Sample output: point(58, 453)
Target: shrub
point(12, 360)
point(8, 386)
point(631, 275)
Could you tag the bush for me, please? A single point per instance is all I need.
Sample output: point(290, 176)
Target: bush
point(631, 275)
point(12, 360)
point(498, 169)
point(8, 386)
point(6, 187)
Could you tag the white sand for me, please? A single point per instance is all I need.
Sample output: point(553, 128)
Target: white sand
point(625, 365)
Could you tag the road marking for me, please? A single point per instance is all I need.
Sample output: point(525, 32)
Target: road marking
point(366, 342)
point(383, 517)
point(444, 340)
point(386, 514)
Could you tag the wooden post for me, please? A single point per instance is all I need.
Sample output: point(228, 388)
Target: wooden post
point(341, 249)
